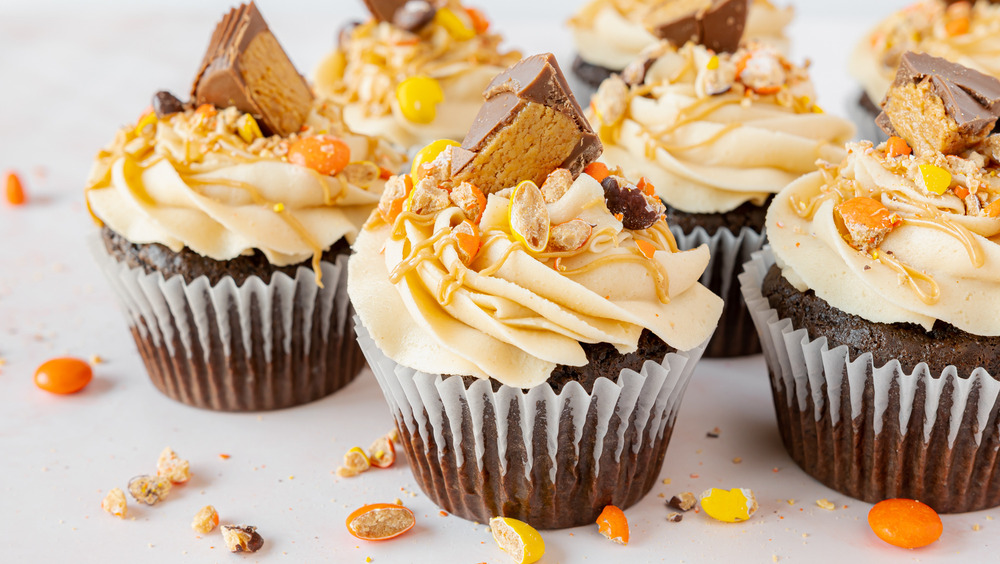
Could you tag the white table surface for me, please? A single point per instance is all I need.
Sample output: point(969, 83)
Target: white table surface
point(69, 76)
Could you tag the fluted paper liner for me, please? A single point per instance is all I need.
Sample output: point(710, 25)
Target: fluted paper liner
point(253, 347)
point(878, 433)
point(480, 453)
point(736, 335)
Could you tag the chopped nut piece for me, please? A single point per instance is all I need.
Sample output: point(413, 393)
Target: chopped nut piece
point(175, 469)
point(569, 236)
point(556, 184)
point(361, 173)
point(825, 504)
point(470, 199)
point(867, 222)
point(394, 195)
point(205, 520)
point(528, 216)
point(611, 100)
point(114, 503)
point(149, 489)
point(683, 502)
point(427, 198)
point(242, 538)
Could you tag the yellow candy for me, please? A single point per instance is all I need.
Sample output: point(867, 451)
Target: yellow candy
point(713, 63)
point(248, 128)
point(418, 97)
point(279, 207)
point(428, 154)
point(935, 178)
point(454, 25)
point(732, 506)
point(147, 120)
point(518, 539)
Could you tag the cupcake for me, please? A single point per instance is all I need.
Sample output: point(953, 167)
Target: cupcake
point(875, 304)
point(525, 378)
point(962, 32)
point(225, 226)
point(717, 135)
point(610, 34)
point(415, 71)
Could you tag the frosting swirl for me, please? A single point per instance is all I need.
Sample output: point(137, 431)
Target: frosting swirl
point(190, 180)
point(937, 259)
point(612, 33)
point(363, 74)
point(961, 33)
point(712, 132)
point(514, 314)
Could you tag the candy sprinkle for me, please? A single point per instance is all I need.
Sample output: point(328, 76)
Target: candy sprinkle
point(15, 190)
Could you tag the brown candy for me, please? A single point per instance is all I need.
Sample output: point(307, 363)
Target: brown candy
point(530, 125)
point(414, 15)
point(716, 24)
point(938, 106)
point(246, 68)
point(242, 538)
point(638, 211)
point(165, 103)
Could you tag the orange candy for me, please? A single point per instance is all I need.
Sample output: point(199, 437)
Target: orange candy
point(647, 248)
point(646, 187)
point(612, 524)
point(896, 146)
point(597, 170)
point(15, 190)
point(325, 154)
point(479, 21)
point(380, 521)
point(467, 235)
point(63, 375)
point(905, 523)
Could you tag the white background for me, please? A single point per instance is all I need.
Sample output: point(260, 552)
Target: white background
point(70, 74)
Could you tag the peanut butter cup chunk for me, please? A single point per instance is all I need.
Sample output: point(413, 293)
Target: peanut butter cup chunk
point(938, 106)
point(530, 125)
point(245, 67)
point(716, 24)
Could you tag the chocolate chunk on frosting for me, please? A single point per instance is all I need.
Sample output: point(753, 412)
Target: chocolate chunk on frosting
point(530, 125)
point(939, 106)
point(245, 67)
point(716, 24)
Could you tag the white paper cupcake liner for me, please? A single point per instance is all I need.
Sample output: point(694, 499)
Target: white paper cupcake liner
point(736, 335)
point(878, 433)
point(551, 459)
point(239, 348)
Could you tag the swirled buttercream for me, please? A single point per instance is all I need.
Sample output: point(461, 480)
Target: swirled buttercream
point(939, 259)
point(513, 314)
point(713, 132)
point(363, 74)
point(190, 180)
point(961, 33)
point(612, 33)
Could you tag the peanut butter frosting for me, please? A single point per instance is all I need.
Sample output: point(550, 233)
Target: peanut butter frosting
point(209, 181)
point(896, 237)
point(712, 132)
point(962, 33)
point(456, 51)
point(515, 308)
point(613, 33)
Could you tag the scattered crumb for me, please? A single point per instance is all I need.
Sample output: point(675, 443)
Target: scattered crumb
point(224, 456)
point(694, 476)
point(675, 517)
point(205, 520)
point(774, 558)
point(737, 460)
point(242, 538)
point(805, 535)
point(661, 494)
point(825, 504)
point(666, 481)
point(398, 501)
point(291, 477)
point(368, 559)
point(115, 503)
point(683, 502)
point(441, 513)
point(791, 502)
point(976, 527)
point(989, 517)
point(713, 434)
point(96, 359)
point(775, 469)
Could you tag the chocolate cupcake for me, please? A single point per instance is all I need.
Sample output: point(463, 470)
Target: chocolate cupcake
point(876, 306)
point(415, 71)
point(225, 229)
point(960, 31)
point(526, 380)
point(610, 34)
point(717, 135)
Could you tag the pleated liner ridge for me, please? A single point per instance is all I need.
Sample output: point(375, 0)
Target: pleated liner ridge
point(878, 433)
point(254, 347)
point(551, 460)
point(736, 335)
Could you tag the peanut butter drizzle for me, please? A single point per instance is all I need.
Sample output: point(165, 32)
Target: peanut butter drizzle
point(911, 276)
point(681, 148)
point(418, 253)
